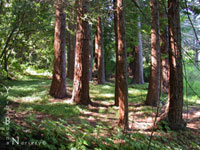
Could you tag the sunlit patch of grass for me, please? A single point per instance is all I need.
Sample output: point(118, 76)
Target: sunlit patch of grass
point(56, 110)
point(30, 89)
point(191, 100)
point(137, 93)
point(32, 71)
point(102, 92)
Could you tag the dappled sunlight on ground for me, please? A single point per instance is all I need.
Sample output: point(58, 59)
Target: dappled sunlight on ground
point(193, 117)
point(30, 103)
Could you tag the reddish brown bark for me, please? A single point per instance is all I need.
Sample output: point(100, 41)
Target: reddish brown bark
point(80, 94)
point(99, 50)
point(116, 47)
point(153, 96)
point(122, 67)
point(58, 85)
point(175, 61)
point(95, 65)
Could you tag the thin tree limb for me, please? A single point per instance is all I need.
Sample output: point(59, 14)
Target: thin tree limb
point(7, 41)
point(135, 3)
point(191, 22)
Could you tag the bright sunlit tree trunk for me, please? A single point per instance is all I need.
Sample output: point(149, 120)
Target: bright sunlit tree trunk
point(122, 88)
point(175, 61)
point(80, 94)
point(153, 96)
point(58, 85)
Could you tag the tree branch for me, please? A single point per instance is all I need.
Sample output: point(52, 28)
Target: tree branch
point(8, 40)
point(135, 3)
point(191, 23)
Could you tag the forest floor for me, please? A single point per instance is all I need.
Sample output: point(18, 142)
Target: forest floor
point(59, 124)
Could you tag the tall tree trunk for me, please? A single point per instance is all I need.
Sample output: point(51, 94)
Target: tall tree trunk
point(58, 85)
point(138, 77)
point(175, 61)
point(164, 40)
point(95, 65)
point(116, 47)
point(80, 94)
point(90, 54)
point(100, 52)
point(122, 67)
point(153, 96)
point(71, 53)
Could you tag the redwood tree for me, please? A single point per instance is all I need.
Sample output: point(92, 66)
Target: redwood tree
point(122, 88)
point(153, 96)
point(58, 85)
point(80, 94)
point(99, 50)
point(116, 47)
point(175, 61)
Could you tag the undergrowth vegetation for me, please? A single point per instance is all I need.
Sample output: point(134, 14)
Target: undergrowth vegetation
point(38, 121)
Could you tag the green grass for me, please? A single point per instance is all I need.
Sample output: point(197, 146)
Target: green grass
point(63, 125)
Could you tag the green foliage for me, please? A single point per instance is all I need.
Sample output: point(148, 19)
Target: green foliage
point(30, 25)
point(191, 84)
point(27, 39)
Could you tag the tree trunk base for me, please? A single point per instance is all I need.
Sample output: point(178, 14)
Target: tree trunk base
point(79, 102)
point(149, 103)
point(164, 123)
point(58, 96)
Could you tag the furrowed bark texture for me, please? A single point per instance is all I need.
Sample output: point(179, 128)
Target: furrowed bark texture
point(175, 60)
point(122, 67)
point(80, 94)
point(100, 52)
point(153, 96)
point(116, 47)
point(58, 85)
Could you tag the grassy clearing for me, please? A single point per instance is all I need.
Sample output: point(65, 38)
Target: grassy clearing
point(58, 124)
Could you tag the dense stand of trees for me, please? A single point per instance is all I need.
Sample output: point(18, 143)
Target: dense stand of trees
point(93, 54)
